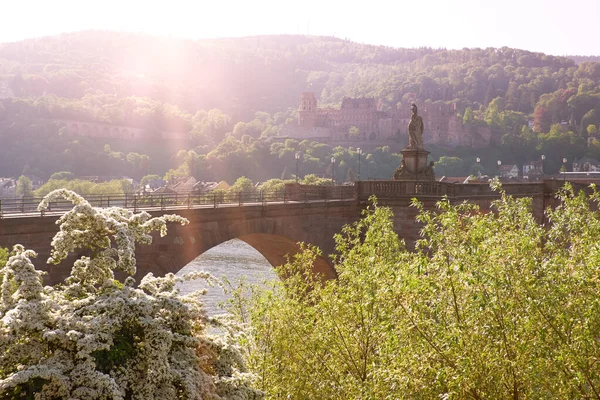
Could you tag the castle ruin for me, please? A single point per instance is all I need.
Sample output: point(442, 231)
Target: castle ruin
point(375, 126)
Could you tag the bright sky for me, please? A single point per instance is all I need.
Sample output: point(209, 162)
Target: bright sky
point(557, 27)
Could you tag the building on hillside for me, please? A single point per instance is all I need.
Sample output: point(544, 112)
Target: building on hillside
point(509, 171)
point(206, 187)
point(8, 187)
point(533, 168)
point(154, 184)
point(362, 120)
point(586, 164)
point(185, 186)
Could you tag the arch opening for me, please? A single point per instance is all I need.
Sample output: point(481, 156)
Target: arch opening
point(273, 248)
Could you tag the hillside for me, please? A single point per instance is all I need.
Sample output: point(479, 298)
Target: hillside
point(208, 87)
point(243, 75)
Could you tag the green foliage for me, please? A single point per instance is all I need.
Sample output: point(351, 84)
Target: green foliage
point(24, 188)
point(469, 116)
point(3, 256)
point(63, 175)
point(242, 184)
point(148, 178)
point(274, 185)
point(312, 179)
point(124, 345)
point(489, 305)
point(449, 166)
point(83, 187)
point(501, 86)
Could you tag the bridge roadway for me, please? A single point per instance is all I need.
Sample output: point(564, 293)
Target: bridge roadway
point(273, 226)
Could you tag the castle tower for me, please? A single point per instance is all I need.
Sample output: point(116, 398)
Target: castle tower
point(307, 112)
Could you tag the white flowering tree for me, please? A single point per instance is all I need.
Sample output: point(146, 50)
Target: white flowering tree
point(95, 337)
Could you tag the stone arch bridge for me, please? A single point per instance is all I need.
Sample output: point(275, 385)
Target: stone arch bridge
point(307, 214)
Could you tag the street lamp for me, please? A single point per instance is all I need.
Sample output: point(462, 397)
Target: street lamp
point(478, 166)
point(564, 168)
point(543, 158)
point(332, 171)
point(359, 151)
point(297, 156)
point(499, 164)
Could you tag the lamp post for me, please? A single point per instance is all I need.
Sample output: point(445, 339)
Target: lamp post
point(332, 171)
point(543, 158)
point(297, 156)
point(359, 151)
point(499, 165)
point(564, 169)
point(478, 166)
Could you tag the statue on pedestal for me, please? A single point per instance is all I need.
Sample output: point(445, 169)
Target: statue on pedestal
point(415, 130)
point(414, 157)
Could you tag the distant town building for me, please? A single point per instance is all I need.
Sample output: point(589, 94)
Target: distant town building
point(8, 187)
point(509, 171)
point(361, 119)
point(586, 164)
point(532, 168)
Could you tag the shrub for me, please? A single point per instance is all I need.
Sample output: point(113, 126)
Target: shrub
point(94, 337)
point(490, 305)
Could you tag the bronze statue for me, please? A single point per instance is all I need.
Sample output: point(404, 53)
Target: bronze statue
point(415, 130)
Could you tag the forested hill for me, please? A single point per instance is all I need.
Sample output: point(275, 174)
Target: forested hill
point(267, 73)
point(582, 59)
point(233, 96)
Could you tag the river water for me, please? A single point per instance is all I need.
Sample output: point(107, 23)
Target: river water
point(234, 260)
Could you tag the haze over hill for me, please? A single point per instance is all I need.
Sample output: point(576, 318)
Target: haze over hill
point(222, 90)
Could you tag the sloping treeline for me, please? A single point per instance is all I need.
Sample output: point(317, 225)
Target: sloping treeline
point(232, 94)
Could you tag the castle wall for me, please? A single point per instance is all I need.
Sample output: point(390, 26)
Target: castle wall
point(442, 126)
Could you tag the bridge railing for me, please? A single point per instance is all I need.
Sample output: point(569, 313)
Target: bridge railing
point(28, 205)
point(361, 191)
point(400, 189)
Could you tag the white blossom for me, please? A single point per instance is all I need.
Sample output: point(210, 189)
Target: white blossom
point(96, 338)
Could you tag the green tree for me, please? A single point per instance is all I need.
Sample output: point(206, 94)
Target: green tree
point(146, 179)
point(242, 184)
point(469, 116)
point(312, 179)
point(62, 175)
point(3, 257)
point(490, 305)
point(449, 166)
point(24, 187)
point(493, 113)
point(353, 132)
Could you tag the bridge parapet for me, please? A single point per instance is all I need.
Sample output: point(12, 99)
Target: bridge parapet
point(299, 192)
point(398, 189)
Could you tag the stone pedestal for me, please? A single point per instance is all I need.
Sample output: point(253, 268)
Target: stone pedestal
point(414, 166)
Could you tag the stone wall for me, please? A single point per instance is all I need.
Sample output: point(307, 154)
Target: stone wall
point(442, 126)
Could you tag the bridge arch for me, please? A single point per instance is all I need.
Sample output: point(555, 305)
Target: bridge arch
point(274, 231)
point(274, 248)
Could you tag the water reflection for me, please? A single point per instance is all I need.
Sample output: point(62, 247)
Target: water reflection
point(233, 259)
